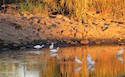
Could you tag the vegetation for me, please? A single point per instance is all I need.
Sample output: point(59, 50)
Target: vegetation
point(74, 8)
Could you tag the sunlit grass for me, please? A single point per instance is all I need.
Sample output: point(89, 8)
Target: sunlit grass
point(76, 8)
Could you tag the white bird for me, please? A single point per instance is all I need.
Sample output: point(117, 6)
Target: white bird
point(77, 60)
point(120, 52)
point(54, 50)
point(38, 46)
point(51, 46)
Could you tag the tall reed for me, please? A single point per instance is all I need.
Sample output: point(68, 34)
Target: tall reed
point(76, 8)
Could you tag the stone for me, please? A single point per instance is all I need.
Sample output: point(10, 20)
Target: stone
point(59, 16)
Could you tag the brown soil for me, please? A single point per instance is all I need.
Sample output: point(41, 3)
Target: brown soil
point(21, 29)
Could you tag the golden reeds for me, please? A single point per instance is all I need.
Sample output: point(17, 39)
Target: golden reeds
point(78, 8)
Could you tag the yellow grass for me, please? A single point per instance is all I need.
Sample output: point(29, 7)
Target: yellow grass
point(79, 8)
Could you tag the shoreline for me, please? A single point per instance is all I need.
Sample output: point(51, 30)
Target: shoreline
point(17, 30)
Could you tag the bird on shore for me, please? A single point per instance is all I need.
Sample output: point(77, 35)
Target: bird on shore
point(77, 60)
point(51, 46)
point(54, 50)
point(38, 46)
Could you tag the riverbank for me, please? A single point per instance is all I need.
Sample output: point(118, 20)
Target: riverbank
point(19, 29)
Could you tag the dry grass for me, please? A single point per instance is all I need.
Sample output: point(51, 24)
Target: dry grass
point(77, 8)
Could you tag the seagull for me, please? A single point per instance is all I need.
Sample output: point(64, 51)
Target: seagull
point(120, 52)
point(54, 50)
point(38, 46)
point(51, 46)
point(77, 60)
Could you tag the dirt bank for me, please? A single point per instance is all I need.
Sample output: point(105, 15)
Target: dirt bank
point(22, 29)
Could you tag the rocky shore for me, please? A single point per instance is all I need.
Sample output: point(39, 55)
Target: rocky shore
point(18, 30)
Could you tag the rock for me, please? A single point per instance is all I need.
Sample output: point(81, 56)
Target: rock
point(66, 19)
point(78, 35)
point(35, 20)
point(59, 16)
point(52, 16)
point(53, 25)
point(27, 15)
point(84, 42)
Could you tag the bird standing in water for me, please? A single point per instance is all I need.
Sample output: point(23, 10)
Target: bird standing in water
point(51, 46)
point(54, 50)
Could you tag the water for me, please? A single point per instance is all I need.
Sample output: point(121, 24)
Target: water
point(35, 63)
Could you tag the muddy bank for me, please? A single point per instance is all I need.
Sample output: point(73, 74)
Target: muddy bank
point(27, 29)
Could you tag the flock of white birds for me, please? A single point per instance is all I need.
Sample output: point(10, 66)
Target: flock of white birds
point(90, 62)
point(53, 53)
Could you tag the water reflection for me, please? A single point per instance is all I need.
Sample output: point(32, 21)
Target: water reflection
point(102, 62)
point(120, 55)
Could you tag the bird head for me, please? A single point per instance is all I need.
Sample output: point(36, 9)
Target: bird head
point(52, 43)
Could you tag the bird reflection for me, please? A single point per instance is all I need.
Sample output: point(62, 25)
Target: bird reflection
point(120, 55)
point(53, 54)
point(120, 59)
point(90, 63)
point(77, 69)
point(34, 52)
point(120, 52)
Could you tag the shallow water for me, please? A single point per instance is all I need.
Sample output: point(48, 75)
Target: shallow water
point(40, 63)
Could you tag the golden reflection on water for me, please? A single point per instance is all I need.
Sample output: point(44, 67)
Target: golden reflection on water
point(29, 64)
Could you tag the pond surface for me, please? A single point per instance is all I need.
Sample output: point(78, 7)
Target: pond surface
point(41, 63)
